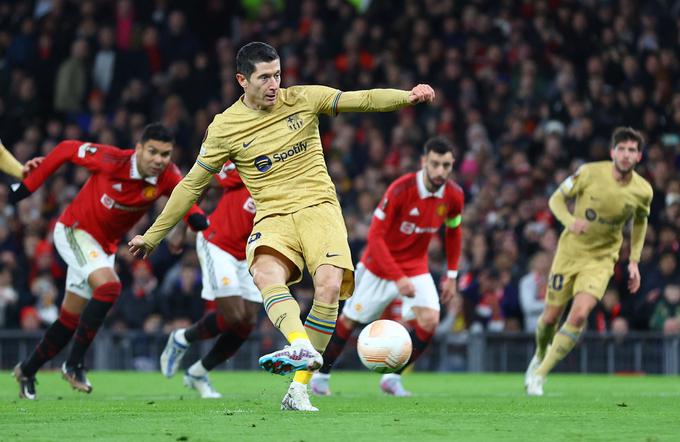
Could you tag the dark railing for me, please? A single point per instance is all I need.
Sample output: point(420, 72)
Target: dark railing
point(476, 352)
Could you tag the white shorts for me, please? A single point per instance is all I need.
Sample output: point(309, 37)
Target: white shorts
point(373, 294)
point(83, 255)
point(224, 275)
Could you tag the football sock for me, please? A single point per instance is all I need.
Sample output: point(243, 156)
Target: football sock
point(226, 345)
point(209, 326)
point(319, 324)
point(420, 338)
point(564, 341)
point(103, 298)
point(335, 346)
point(544, 335)
point(53, 341)
point(284, 312)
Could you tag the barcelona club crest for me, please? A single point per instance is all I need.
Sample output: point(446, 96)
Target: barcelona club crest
point(294, 122)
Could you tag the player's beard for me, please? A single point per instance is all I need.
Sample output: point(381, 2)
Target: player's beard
point(623, 171)
point(436, 184)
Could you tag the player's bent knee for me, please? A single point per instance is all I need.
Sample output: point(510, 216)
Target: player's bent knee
point(428, 321)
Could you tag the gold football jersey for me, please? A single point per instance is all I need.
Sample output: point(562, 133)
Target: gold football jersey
point(277, 152)
point(607, 205)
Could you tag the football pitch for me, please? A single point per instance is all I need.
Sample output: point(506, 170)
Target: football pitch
point(147, 407)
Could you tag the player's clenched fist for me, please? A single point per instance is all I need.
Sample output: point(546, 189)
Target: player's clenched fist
point(422, 93)
point(138, 247)
point(579, 226)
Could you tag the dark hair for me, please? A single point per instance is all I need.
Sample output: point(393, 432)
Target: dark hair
point(158, 132)
point(627, 134)
point(251, 54)
point(440, 145)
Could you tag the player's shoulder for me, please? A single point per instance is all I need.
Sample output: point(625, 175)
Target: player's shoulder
point(453, 188)
point(403, 183)
point(641, 183)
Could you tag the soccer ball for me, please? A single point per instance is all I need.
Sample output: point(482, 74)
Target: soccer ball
point(384, 346)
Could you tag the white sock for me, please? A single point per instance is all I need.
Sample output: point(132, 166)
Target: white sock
point(198, 369)
point(302, 341)
point(318, 374)
point(179, 337)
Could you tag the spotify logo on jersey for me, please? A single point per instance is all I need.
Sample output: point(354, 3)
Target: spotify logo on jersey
point(263, 163)
point(591, 215)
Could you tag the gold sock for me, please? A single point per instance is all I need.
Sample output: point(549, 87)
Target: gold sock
point(562, 344)
point(320, 324)
point(284, 312)
point(544, 335)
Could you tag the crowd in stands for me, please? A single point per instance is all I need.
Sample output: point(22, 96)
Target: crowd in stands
point(527, 90)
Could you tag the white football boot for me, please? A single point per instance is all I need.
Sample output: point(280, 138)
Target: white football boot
point(172, 355)
point(390, 383)
point(535, 385)
point(319, 384)
point(533, 365)
point(298, 356)
point(297, 398)
point(202, 385)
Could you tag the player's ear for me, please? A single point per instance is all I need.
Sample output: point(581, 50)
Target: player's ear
point(242, 80)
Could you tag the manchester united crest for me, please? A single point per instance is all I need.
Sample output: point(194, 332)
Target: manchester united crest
point(441, 210)
point(149, 192)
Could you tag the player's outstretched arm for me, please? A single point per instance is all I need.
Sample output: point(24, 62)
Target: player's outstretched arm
point(383, 100)
point(9, 164)
point(184, 195)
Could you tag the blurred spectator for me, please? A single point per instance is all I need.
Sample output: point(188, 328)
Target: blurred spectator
point(45, 292)
point(532, 289)
point(8, 298)
point(666, 314)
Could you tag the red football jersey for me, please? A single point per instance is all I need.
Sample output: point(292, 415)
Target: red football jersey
point(232, 220)
point(115, 196)
point(405, 221)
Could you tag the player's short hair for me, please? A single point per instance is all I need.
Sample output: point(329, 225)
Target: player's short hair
point(251, 54)
point(158, 132)
point(440, 145)
point(627, 134)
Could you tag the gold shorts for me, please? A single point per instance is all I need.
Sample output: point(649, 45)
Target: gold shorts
point(313, 236)
point(569, 276)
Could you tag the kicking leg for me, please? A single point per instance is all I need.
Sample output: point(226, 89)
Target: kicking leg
point(271, 270)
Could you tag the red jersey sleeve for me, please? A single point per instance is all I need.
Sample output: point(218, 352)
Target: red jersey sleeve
point(95, 157)
point(383, 218)
point(453, 231)
point(174, 177)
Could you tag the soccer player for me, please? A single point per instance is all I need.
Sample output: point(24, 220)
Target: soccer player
point(607, 195)
point(272, 136)
point(123, 186)
point(221, 251)
point(394, 263)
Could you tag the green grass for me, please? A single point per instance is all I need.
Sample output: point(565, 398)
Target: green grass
point(147, 407)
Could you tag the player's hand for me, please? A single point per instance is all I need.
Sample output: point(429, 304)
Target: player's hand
point(406, 287)
point(423, 93)
point(31, 165)
point(449, 289)
point(138, 247)
point(633, 277)
point(579, 226)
